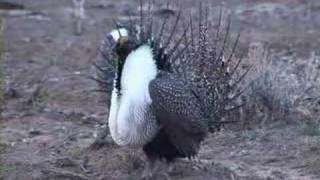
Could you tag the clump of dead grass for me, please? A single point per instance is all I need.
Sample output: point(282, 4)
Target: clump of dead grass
point(282, 87)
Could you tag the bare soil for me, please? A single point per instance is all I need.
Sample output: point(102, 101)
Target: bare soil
point(50, 111)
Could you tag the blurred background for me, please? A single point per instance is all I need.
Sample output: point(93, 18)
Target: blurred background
point(50, 111)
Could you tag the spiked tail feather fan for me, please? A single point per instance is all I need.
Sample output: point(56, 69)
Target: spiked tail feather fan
point(202, 56)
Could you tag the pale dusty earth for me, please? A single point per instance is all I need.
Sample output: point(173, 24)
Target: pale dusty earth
point(50, 111)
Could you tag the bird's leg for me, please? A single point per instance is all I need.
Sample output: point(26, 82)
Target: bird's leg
point(148, 169)
point(133, 158)
point(132, 155)
point(170, 168)
point(154, 167)
point(163, 169)
point(202, 163)
point(168, 171)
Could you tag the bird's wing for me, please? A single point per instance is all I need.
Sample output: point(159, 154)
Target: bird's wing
point(178, 110)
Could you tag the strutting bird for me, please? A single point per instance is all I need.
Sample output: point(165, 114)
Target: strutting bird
point(169, 90)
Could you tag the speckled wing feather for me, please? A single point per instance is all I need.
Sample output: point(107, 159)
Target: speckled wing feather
point(179, 111)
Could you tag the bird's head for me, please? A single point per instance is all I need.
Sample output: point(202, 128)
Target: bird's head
point(119, 44)
point(120, 47)
point(126, 46)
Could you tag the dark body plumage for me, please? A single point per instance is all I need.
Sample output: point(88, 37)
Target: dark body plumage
point(161, 147)
point(179, 113)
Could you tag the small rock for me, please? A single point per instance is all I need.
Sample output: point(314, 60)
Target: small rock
point(24, 140)
point(85, 135)
point(39, 17)
point(34, 132)
point(89, 119)
point(165, 12)
point(54, 79)
point(26, 39)
point(65, 162)
point(11, 93)
point(43, 140)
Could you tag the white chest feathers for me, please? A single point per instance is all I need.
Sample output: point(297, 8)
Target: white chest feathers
point(130, 120)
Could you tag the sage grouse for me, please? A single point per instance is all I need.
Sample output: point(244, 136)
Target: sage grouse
point(172, 85)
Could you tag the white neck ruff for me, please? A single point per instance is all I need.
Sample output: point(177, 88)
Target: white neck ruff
point(127, 116)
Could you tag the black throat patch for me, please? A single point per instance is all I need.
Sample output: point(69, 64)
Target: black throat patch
point(122, 53)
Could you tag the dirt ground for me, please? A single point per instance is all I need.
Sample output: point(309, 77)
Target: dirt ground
point(50, 111)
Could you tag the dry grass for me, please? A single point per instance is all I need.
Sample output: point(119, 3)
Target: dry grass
point(283, 88)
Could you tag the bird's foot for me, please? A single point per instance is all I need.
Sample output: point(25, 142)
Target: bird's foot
point(133, 155)
point(165, 175)
point(171, 168)
point(203, 164)
point(148, 170)
point(146, 175)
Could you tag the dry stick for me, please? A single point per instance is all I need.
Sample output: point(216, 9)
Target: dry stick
point(79, 13)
